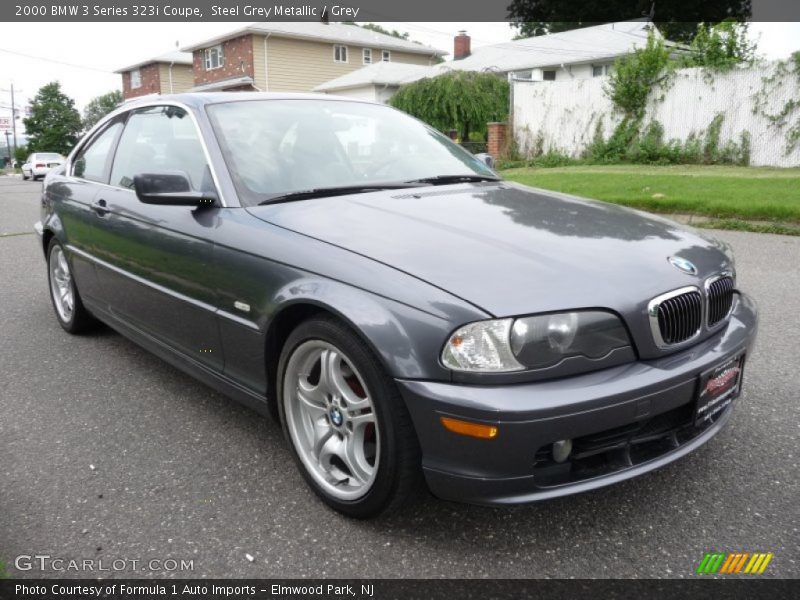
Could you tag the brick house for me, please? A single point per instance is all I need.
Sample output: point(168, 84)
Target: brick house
point(170, 73)
point(296, 57)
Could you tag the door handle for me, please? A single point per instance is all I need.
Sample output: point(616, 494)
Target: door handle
point(100, 207)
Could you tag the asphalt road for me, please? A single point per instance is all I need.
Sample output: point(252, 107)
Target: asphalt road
point(106, 451)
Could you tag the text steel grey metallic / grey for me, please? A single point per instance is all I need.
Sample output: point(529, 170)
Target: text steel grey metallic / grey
point(402, 309)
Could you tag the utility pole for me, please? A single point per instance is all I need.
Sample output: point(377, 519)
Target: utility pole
point(14, 121)
point(8, 148)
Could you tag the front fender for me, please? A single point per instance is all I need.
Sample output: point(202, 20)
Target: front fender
point(50, 223)
point(406, 339)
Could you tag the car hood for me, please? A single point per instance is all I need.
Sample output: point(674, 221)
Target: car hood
point(510, 249)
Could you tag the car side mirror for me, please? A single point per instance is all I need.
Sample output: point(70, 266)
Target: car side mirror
point(486, 158)
point(170, 188)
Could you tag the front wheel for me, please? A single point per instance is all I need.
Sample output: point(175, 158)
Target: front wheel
point(69, 309)
point(347, 425)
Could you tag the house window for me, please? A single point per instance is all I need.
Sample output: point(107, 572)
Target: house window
point(549, 75)
point(340, 54)
point(599, 70)
point(136, 79)
point(386, 56)
point(213, 58)
point(366, 55)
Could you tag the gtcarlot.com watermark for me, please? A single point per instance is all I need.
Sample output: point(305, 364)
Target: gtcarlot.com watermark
point(46, 562)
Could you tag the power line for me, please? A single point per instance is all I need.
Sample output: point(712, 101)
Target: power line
point(54, 61)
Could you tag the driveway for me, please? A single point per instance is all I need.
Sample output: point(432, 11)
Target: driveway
point(106, 451)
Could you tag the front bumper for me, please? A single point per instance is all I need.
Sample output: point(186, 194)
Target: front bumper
point(646, 406)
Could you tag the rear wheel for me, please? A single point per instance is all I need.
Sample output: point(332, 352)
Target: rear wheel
point(69, 309)
point(347, 425)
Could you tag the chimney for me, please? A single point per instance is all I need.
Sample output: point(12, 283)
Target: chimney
point(461, 46)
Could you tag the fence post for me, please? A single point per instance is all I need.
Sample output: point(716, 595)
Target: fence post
point(496, 143)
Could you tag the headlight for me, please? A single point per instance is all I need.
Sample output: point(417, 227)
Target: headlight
point(482, 347)
point(537, 342)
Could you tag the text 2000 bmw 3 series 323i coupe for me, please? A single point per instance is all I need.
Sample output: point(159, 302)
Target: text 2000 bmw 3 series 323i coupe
point(401, 309)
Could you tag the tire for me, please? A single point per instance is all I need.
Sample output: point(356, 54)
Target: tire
point(70, 312)
point(24, 177)
point(368, 462)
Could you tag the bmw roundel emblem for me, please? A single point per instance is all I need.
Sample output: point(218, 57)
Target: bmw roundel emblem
point(682, 264)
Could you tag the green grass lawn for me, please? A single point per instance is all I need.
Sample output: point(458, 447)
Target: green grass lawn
point(717, 192)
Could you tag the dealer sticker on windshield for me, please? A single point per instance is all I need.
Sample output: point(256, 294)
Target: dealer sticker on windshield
point(718, 388)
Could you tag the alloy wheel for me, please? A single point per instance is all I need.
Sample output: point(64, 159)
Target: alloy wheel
point(61, 284)
point(331, 419)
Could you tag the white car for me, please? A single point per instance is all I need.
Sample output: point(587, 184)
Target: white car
point(39, 164)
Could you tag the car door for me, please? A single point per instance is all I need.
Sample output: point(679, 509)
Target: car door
point(155, 261)
point(73, 195)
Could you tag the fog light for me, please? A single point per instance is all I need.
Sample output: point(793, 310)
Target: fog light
point(561, 450)
point(477, 430)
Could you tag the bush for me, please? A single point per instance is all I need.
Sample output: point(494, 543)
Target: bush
point(720, 47)
point(629, 143)
point(464, 100)
point(21, 154)
point(635, 75)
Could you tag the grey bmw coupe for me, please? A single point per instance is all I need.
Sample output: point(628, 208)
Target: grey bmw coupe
point(405, 313)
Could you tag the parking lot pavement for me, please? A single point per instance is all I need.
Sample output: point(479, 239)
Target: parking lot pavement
point(106, 451)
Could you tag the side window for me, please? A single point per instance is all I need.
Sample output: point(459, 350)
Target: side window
point(339, 53)
point(92, 161)
point(159, 139)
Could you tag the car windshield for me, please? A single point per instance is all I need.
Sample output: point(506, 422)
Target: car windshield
point(275, 148)
point(48, 156)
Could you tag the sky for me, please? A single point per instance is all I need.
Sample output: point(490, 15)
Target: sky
point(84, 56)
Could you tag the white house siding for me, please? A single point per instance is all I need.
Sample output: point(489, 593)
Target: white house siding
point(367, 92)
point(563, 73)
point(371, 92)
point(384, 92)
point(563, 114)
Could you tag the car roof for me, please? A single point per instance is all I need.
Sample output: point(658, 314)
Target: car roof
point(198, 99)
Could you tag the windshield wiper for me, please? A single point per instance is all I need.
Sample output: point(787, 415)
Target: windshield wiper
point(445, 179)
point(335, 191)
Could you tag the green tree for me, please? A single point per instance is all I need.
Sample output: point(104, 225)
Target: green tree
point(21, 154)
point(462, 100)
point(54, 122)
point(99, 107)
point(720, 46)
point(678, 19)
